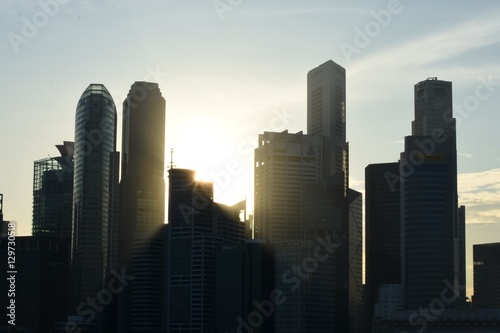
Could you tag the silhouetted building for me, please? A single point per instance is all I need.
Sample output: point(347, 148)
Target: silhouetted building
point(383, 231)
point(95, 174)
point(284, 163)
point(486, 276)
point(429, 197)
point(40, 282)
point(461, 256)
point(192, 241)
point(245, 297)
point(4, 225)
point(53, 194)
point(142, 207)
point(230, 223)
point(326, 119)
point(353, 267)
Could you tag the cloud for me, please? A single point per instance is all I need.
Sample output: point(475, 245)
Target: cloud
point(480, 193)
point(466, 155)
point(439, 46)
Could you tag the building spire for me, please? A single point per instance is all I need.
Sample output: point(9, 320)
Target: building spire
point(172, 158)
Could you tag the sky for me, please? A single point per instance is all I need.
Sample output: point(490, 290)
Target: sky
point(231, 69)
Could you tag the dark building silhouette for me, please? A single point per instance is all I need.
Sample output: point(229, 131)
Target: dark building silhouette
point(4, 225)
point(228, 222)
point(192, 241)
point(326, 118)
point(285, 163)
point(429, 197)
point(94, 215)
point(40, 283)
point(142, 207)
point(383, 231)
point(302, 193)
point(245, 297)
point(53, 194)
point(486, 276)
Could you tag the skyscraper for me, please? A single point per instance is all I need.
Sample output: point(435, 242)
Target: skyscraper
point(429, 197)
point(284, 164)
point(142, 206)
point(142, 185)
point(192, 240)
point(326, 116)
point(383, 230)
point(94, 176)
point(244, 284)
point(486, 276)
point(53, 194)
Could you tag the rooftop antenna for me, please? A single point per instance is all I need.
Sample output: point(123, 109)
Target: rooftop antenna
point(172, 158)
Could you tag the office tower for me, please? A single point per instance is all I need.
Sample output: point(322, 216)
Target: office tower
point(142, 185)
point(142, 206)
point(191, 247)
point(94, 175)
point(326, 117)
point(229, 222)
point(429, 196)
point(245, 296)
point(383, 231)
point(39, 287)
point(53, 194)
point(307, 278)
point(486, 276)
point(284, 163)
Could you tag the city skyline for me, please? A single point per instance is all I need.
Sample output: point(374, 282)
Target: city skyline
point(206, 96)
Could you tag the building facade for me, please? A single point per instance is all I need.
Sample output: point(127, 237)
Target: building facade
point(142, 207)
point(428, 167)
point(284, 164)
point(383, 231)
point(486, 276)
point(94, 217)
point(53, 194)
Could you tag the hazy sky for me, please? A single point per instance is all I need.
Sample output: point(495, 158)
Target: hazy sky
point(231, 69)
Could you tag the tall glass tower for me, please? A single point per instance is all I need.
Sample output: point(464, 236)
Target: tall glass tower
point(142, 207)
point(431, 231)
point(95, 176)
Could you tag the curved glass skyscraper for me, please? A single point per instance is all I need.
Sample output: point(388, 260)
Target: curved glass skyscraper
point(95, 176)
